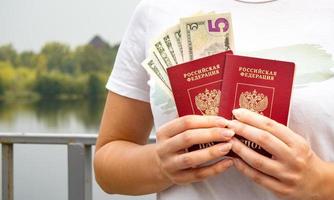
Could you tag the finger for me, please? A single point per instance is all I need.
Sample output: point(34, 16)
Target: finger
point(262, 122)
point(182, 124)
point(260, 178)
point(196, 158)
point(262, 138)
point(200, 174)
point(257, 161)
point(197, 136)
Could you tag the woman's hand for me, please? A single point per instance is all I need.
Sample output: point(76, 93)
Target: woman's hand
point(173, 138)
point(294, 171)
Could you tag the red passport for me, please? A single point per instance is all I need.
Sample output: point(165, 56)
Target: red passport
point(260, 85)
point(196, 87)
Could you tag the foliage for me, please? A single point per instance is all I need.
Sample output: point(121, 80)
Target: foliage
point(92, 59)
point(56, 54)
point(7, 75)
point(16, 81)
point(56, 71)
point(49, 85)
point(28, 59)
point(95, 86)
point(88, 59)
point(2, 88)
point(8, 53)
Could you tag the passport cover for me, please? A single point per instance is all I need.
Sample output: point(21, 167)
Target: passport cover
point(260, 85)
point(196, 87)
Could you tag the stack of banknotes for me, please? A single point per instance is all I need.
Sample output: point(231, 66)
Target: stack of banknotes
point(194, 37)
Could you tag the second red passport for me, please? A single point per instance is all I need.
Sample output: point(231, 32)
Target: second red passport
point(260, 85)
point(197, 86)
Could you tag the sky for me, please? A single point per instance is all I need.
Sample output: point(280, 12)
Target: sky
point(29, 24)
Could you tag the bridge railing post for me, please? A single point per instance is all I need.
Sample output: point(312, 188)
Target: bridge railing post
point(79, 172)
point(7, 171)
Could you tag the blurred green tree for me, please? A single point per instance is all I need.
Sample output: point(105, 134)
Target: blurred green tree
point(88, 59)
point(28, 59)
point(8, 53)
point(41, 64)
point(7, 75)
point(2, 89)
point(49, 85)
point(95, 86)
point(56, 55)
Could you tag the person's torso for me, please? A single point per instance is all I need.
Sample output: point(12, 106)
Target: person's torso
point(301, 31)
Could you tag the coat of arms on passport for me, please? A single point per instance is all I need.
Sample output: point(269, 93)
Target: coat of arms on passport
point(253, 101)
point(208, 102)
point(254, 97)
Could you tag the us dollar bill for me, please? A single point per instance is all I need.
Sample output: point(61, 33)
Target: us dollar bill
point(206, 35)
point(176, 40)
point(163, 54)
point(153, 66)
point(172, 46)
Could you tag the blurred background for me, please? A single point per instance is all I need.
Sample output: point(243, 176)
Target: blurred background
point(55, 58)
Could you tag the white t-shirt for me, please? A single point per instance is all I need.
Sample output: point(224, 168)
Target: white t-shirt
point(301, 31)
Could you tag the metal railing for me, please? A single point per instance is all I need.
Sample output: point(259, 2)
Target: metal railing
point(79, 156)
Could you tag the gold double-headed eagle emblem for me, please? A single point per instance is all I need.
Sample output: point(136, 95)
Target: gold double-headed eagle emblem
point(208, 102)
point(254, 101)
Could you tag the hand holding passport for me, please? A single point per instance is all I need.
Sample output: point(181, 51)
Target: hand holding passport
point(219, 82)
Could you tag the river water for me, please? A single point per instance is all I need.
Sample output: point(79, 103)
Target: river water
point(40, 171)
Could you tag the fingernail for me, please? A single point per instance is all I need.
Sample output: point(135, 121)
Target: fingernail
point(227, 133)
point(236, 113)
point(225, 147)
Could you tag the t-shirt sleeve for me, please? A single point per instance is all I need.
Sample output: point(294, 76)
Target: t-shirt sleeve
point(128, 77)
